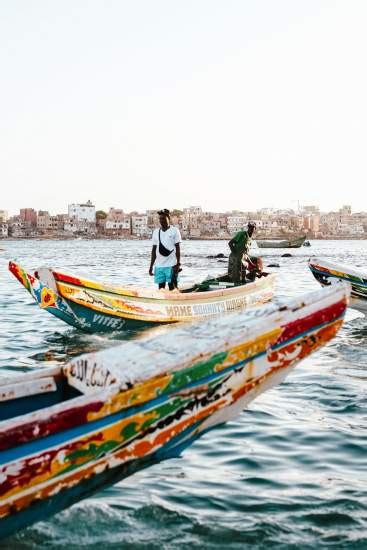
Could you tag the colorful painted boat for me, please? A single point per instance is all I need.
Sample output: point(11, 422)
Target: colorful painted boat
point(97, 307)
point(326, 273)
point(66, 432)
point(286, 243)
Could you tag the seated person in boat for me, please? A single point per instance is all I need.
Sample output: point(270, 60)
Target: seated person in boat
point(239, 258)
point(166, 253)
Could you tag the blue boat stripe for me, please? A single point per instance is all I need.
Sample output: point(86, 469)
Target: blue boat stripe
point(349, 280)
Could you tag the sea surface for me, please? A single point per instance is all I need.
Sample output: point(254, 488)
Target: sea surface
point(289, 472)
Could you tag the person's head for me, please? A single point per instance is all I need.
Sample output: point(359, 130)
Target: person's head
point(251, 226)
point(164, 217)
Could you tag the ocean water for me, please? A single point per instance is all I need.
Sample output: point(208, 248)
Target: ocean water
point(289, 472)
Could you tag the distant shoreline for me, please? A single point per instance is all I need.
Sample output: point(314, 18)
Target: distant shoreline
point(132, 238)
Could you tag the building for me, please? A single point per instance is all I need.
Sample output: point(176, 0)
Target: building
point(152, 219)
point(4, 229)
point(3, 216)
point(82, 212)
point(236, 223)
point(139, 226)
point(43, 220)
point(193, 211)
point(81, 227)
point(117, 223)
point(29, 215)
point(81, 219)
point(315, 223)
point(47, 223)
point(17, 227)
point(346, 210)
point(61, 220)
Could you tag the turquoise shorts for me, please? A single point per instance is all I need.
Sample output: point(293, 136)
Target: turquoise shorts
point(163, 275)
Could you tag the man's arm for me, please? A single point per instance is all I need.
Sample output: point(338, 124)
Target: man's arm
point(178, 256)
point(152, 258)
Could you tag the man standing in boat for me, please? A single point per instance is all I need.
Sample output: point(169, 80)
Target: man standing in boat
point(240, 246)
point(166, 252)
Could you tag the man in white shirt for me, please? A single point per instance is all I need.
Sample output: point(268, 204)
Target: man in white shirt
point(165, 252)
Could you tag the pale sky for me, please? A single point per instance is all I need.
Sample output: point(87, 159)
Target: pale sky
point(231, 104)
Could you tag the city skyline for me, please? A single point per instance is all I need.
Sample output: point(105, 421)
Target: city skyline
point(211, 103)
point(295, 205)
point(298, 207)
point(85, 220)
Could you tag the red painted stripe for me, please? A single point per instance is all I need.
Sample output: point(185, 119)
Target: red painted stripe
point(305, 324)
point(67, 278)
point(59, 422)
point(13, 268)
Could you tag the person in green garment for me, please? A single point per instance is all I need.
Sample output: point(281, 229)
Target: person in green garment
point(240, 247)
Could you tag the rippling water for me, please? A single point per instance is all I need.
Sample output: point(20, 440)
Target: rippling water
point(290, 472)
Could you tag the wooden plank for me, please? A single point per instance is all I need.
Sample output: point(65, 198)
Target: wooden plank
point(28, 388)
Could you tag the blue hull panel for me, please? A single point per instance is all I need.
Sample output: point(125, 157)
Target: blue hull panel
point(93, 321)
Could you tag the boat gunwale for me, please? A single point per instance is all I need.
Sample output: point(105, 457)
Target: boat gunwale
point(103, 395)
point(109, 418)
point(344, 277)
point(153, 295)
point(318, 263)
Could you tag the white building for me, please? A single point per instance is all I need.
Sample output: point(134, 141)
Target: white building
point(120, 225)
point(117, 223)
point(82, 212)
point(352, 230)
point(139, 226)
point(193, 211)
point(236, 223)
point(73, 225)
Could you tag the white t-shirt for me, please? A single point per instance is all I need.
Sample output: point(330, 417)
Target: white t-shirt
point(169, 239)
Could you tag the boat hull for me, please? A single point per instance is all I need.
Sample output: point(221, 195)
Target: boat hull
point(291, 243)
point(327, 273)
point(95, 307)
point(147, 400)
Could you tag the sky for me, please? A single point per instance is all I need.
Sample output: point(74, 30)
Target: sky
point(231, 104)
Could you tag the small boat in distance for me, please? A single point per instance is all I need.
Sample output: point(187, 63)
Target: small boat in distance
point(97, 307)
point(66, 432)
point(286, 243)
point(327, 273)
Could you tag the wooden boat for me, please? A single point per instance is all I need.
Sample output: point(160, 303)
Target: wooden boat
point(326, 273)
point(287, 243)
point(96, 307)
point(68, 431)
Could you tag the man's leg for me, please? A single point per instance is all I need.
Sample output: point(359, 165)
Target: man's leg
point(172, 279)
point(159, 277)
point(173, 283)
point(234, 268)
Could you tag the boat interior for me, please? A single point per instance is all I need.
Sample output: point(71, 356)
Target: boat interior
point(34, 391)
point(215, 283)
